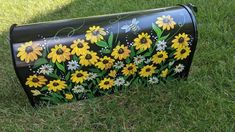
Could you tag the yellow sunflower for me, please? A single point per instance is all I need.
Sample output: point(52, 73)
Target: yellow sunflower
point(159, 57)
point(59, 53)
point(112, 73)
point(95, 34)
point(29, 51)
point(69, 96)
point(56, 85)
point(129, 69)
point(36, 81)
point(106, 83)
point(143, 42)
point(147, 71)
point(89, 58)
point(105, 63)
point(166, 22)
point(180, 41)
point(182, 53)
point(79, 47)
point(121, 52)
point(79, 76)
point(164, 73)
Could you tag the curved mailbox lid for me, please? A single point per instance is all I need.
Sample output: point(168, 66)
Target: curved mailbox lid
point(67, 60)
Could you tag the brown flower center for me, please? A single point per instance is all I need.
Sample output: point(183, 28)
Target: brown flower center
point(79, 75)
point(106, 82)
point(55, 84)
point(182, 51)
point(130, 68)
point(88, 56)
point(35, 80)
point(181, 40)
point(143, 40)
point(59, 51)
point(105, 61)
point(160, 56)
point(166, 20)
point(121, 51)
point(29, 49)
point(148, 70)
point(95, 33)
point(80, 45)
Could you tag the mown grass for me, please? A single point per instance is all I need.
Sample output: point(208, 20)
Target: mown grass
point(205, 102)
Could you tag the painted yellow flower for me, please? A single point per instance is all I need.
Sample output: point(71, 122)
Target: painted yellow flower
point(129, 69)
point(59, 53)
point(121, 52)
point(182, 53)
point(159, 57)
point(95, 34)
point(112, 73)
point(166, 22)
point(147, 71)
point(164, 73)
point(79, 76)
point(180, 41)
point(105, 63)
point(29, 51)
point(35, 92)
point(56, 85)
point(89, 58)
point(143, 42)
point(36, 81)
point(79, 47)
point(69, 96)
point(106, 83)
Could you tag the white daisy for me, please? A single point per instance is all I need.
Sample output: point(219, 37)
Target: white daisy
point(171, 63)
point(46, 69)
point(78, 89)
point(179, 68)
point(35, 92)
point(147, 61)
point(153, 80)
point(120, 81)
point(72, 65)
point(138, 59)
point(161, 45)
point(118, 65)
point(92, 76)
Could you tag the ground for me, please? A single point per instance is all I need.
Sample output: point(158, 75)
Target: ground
point(205, 102)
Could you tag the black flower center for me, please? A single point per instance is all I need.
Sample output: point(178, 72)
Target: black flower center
point(160, 56)
point(182, 51)
point(35, 80)
point(106, 82)
point(181, 40)
point(88, 57)
point(59, 51)
point(130, 68)
point(143, 40)
point(28, 49)
point(105, 61)
point(79, 75)
point(120, 51)
point(80, 45)
point(55, 84)
point(148, 70)
point(95, 33)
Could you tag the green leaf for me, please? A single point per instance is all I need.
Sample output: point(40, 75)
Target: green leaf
point(102, 44)
point(40, 62)
point(44, 53)
point(57, 96)
point(110, 40)
point(106, 51)
point(157, 30)
point(67, 77)
point(132, 51)
point(147, 54)
point(128, 60)
point(45, 88)
point(75, 58)
point(94, 70)
point(139, 52)
point(164, 37)
point(52, 75)
point(61, 67)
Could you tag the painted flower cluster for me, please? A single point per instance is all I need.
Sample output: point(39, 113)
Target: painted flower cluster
point(67, 73)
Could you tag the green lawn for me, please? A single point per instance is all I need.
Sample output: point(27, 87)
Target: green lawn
point(205, 102)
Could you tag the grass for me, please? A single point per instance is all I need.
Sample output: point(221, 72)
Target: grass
point(205, 102)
